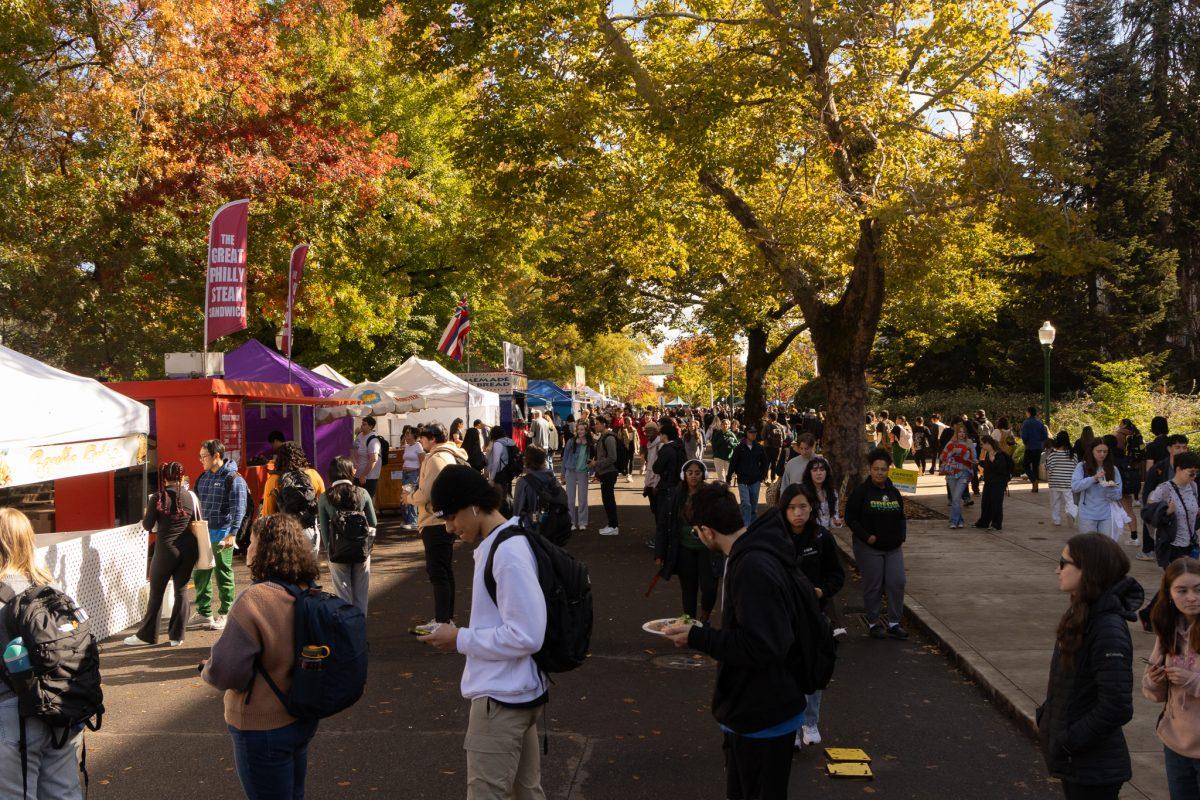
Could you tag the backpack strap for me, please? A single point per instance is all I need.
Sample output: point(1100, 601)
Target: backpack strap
point(489, 578)
point(296, 594)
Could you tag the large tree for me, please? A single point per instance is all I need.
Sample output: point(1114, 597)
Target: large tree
point(831, 137)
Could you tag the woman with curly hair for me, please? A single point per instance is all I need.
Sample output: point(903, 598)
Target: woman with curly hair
point(291, 466)
point(169, 516)
point(270, 747)
point(1089, 695)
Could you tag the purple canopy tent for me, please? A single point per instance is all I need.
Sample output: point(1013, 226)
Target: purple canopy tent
point(254, 361)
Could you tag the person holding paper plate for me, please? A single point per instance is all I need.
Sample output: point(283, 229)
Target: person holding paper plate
point(1097, 481)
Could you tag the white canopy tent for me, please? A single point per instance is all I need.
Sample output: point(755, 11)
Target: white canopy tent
point(444, 393)
point(57, 425)
point(326, 371)
point(374, 400)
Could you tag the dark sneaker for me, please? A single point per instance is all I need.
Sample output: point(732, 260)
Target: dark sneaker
point(877, 632)
point(896, 632)
point(982, 525)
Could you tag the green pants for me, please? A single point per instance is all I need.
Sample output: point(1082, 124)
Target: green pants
point(203, 580)
point(899, 454)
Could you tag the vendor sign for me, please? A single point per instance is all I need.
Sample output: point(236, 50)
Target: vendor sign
point(498, 382)
point(225, 284)
point(24, 465)
point(904, 479)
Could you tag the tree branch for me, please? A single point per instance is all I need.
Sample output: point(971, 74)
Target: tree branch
point(688, 15)
point(784, 343)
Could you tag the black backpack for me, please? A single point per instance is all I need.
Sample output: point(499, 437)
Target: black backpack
point(814, 652)
point(296, 495)
point(330, 670)
point(568, 590)
point(515, 465)
point(385, 450)
point(349, 536)
point(62, 687)
point(622, 449)
point(552, 518)
point(242, 534)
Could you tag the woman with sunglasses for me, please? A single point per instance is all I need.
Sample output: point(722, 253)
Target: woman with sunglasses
point(679, 551)
point(1089, 695)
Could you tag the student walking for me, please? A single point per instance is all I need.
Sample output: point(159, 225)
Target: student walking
point(368, 454)
point(500, 679)
point(818, 478)
point(682, 553)
point(802, 448)
point(270, 747)
point(724, 441)
point(757, 701)
point(295, 488)
point(410, 472)
point(346, 511)
point(1172, 676)
point(1033, 436)
point(875, 514)
point(750, 464)
point(1097, 481)
point(169, 515)
point(1089, 691)
point(1059, 463)
point(578, 453)
point(438, 543)
point(958, 465)
point(817, 556)
point(52, 772)
point(604, 464)
point(503, 460)
point(997, 472)
point(224, 497)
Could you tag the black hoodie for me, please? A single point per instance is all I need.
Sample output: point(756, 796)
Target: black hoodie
point(877, 511)
point(817, 556)
point(1079, 725)
point(755, 688)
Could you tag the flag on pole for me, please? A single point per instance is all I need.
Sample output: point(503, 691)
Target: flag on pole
point(295, 272)
point(225, 281)
point(454, 339)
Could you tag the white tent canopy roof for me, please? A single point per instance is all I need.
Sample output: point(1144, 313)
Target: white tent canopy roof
point(375, 400)
point(326, 371)
point(442, 390)
point(41, 405)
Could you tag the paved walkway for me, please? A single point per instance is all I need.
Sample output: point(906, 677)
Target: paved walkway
point(992, 599)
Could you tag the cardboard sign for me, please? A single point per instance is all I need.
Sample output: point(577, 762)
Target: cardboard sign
point(904, 479)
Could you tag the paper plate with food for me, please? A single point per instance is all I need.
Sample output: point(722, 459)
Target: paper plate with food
point(657, 626)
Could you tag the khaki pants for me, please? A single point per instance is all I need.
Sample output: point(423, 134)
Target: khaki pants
point(503, 760)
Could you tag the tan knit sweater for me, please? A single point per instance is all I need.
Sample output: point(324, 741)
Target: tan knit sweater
point(261, 623)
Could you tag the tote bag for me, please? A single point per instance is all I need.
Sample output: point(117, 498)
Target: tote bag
point(199, 529)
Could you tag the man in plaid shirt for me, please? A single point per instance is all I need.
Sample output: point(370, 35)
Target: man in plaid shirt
point(223, 497)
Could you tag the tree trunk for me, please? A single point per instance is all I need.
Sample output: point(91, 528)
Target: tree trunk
point(758, 361)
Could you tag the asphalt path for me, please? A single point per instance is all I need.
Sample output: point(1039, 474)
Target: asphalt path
point(633, 722)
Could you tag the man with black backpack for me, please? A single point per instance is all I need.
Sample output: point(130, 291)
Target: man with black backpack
point(769, 645)
point(224, 498)
point(502, 677)
point(540, 501)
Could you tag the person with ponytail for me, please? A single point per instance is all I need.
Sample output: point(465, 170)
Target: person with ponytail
point(678, 550)
point(169, 515)
point(1173, 675)
point(352, 581)
point(1089, 693)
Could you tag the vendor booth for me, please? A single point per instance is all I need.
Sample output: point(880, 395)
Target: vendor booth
point(511, 387)
point(255, 362)
point(326, 371)
point(444, 393)
point(543, 393)
point(61, 434)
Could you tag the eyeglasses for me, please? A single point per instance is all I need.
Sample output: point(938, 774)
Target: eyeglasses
point(1062, 563)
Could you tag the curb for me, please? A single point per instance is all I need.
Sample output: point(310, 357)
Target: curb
point(990, 681)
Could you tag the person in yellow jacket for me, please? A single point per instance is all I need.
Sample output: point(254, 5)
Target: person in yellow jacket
point(439, 545)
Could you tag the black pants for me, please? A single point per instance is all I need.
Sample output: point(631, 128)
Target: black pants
point(773, 462)
point(757, 769)
point(919, 457)
point(991, 511)
point(173, 560)
point(1077, 791)
point(372, 486)
point(608, 496)
point(694, 568)
point(439, 565)
point(1031, 461)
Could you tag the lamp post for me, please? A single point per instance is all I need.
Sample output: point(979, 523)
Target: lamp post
point(1046, 335)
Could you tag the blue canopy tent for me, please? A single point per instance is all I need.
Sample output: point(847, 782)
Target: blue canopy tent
point(542, 392)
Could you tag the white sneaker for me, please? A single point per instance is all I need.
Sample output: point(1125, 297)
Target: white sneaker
point(217, 623)
point(629, 479)
point(811, 734)
point(840, 633)
point(134, 641)
point(799, 743)
point(176, 642)
point(1144, 556)
point(197, 619)
point(606, 531)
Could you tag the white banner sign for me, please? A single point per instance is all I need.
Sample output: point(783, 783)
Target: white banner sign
point(20, 466)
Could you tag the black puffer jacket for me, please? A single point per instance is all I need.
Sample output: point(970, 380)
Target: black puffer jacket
point(1079, 725)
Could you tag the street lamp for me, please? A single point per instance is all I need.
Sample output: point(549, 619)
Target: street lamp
point(1046, 337)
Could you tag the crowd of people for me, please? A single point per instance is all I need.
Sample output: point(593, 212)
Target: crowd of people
point(775, 572)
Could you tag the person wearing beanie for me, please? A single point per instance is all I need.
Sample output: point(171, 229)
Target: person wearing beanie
point(500, 678)
point(678, 551)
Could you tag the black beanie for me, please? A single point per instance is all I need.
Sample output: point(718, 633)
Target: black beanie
point(459, 486)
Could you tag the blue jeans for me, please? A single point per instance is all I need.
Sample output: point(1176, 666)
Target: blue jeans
point(957, 485)
point(812, 709)
point(409, 477)
point(53, 771)
point(272, 764)
point(1183, 775)
point(749, 494)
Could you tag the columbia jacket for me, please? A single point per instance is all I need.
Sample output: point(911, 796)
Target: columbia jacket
point(755, 688)
point(1079, 725)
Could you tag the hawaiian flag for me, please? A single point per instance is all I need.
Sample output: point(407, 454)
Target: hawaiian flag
point(454, 338)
